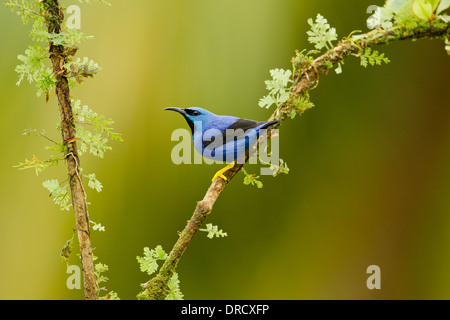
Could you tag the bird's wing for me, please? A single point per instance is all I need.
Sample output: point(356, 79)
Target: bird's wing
point(244, 125)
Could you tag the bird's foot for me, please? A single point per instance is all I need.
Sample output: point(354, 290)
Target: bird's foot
point(222, 171)
point(217, 175)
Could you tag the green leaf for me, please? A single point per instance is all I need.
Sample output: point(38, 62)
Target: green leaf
point(148, 263)
point(25, 8)
point(99, 268)
point(37, 164)
point(443, 5)
point(299, 106)
point(267, 101)
point(399, 12)
point(278, 88)
point(213, 231)
point(434, 4)
point(396, 4)
point(94, 183)
point(281, 168)
point(159, 253)
point(372, 57)
point(80, 69)
point(252, 179)
point(69, 38)
point(60, 194)
point(321, 34)
point(174, 288)
point(96, 140)
point(280, 80)
point(97, 226)
point(32, 67)
point(45, 82)
point(423, 9)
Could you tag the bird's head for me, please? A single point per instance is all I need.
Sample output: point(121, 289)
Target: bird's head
point(194, 114)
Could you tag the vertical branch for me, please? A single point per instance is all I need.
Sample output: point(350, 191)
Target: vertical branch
point(58, 58)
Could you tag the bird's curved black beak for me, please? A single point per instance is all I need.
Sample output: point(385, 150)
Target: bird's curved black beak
point(183, 112)
point(179, 110)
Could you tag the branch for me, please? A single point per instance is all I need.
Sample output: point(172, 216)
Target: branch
point(156, 288)
point(353, 45)
point(58, 58)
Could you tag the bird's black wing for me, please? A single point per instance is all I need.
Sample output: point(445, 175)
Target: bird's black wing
point(244, 125)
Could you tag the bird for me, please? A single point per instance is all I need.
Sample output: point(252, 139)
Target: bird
point(220, 137)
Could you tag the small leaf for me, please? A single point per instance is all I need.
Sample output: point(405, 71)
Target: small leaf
point(434, 4)
point(423, 9)
point(97, 226)
point(396, 4)
point(321, 34)
point(148, 262)
point(372, 57)
point(174, 288)
point(278, 88)
point(94, 183)
point(252, 179)
point(60, 194)
point(213, 231)
point(443, 5)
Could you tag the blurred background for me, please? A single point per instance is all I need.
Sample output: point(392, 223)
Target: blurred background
point(369, 179)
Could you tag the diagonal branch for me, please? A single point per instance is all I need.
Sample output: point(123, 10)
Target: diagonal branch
point(156, 288)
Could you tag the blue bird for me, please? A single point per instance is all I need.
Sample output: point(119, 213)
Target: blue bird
point(222, 138)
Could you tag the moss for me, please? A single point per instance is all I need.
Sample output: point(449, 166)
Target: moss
point(156, 287)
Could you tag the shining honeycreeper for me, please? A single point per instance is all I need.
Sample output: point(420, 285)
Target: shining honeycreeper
point(222, 138)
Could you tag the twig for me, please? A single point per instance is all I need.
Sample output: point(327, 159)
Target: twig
point(156, 288)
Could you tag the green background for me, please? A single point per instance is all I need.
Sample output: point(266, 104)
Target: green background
point(370, 164)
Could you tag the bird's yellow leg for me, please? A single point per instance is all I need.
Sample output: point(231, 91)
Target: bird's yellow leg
point(222, 171)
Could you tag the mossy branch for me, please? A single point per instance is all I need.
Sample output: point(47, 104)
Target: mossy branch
point(58, 55)
point(353, 45)
point(304, 81)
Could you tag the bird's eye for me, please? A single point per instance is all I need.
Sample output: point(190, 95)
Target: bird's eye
point(195, 113)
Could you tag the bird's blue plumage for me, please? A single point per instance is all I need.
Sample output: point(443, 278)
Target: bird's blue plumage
point(221, 138)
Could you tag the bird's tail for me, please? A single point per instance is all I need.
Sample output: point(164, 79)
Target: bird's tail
point(270, 123)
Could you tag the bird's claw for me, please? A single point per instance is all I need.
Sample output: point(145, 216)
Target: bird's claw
point(219, 175)
point(222, 171)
